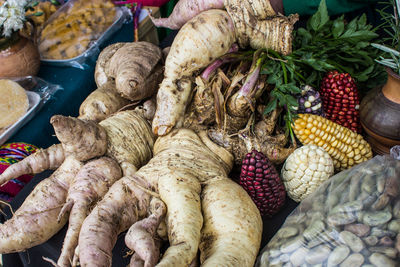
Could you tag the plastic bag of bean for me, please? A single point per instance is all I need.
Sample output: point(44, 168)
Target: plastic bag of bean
point(353, 219)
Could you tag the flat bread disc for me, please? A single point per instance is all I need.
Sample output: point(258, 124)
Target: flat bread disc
point(13, 102)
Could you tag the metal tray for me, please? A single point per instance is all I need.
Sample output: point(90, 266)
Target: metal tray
point(122, 14)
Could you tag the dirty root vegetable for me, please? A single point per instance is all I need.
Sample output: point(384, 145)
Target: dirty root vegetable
point(90, 184)
point(103, 60)
point(257, 26)
point(123, 204)
point(200, 41)
point(136, 68)
point(141, 236)
point(101, 103)
point(184, 11)
point(44, 159)
point(237, 244)
point(128, 130)
point(265, 137)
point(130, 140)
point(35, 221)
point(183, 162)
point(82, 139)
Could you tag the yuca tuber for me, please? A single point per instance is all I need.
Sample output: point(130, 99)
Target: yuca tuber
point(200, 41)
point(45, 159)
point(141, 236)
point(36, 220)
point(90, 184)
point(129, 140)
point(136, 68)
point(81, 139)
point(101, 103)
point(184, 11)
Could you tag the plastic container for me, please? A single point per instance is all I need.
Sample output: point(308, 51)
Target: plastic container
point(39, 92)
point(122, 15)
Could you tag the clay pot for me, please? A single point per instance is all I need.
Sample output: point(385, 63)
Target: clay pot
point(380, 115)
point(19, 56)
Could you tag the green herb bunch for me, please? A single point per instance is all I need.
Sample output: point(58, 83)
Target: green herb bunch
point(391, 45)
point(321, 46)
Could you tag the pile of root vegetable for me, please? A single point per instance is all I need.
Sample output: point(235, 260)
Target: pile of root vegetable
point(154, 144)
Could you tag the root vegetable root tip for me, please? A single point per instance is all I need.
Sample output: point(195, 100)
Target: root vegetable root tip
point(44, 159)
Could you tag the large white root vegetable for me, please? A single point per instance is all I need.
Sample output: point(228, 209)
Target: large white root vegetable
point(130, 140)
point(45, 159)
point(35, 221)
point(101, 103)
point(90, 184)
point(129, 131)
point(200, 41)
point(135, 67)
point(124, 204)
point(183, 162)
point(226, 241)
point(184, 11)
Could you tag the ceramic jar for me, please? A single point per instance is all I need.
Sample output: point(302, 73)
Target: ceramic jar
point(19, 56)
point(380, 115)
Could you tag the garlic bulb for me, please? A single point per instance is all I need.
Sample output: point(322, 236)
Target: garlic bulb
point(305, 169)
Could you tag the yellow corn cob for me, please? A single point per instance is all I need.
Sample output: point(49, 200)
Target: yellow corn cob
point(345, 147)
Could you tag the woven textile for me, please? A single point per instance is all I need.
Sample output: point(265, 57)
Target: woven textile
point(9, 154)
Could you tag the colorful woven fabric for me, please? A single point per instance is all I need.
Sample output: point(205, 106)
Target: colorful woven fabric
point(9, 154)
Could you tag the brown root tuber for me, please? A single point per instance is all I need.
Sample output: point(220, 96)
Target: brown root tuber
point(258, 26)
point(130, 139)
point(82, 139)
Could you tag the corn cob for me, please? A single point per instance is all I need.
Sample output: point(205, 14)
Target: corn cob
point(345, 147)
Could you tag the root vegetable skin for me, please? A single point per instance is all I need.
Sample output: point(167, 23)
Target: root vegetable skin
point(101, 103)
point(82, 139)
point(90, 184)
point(130, 139)
point(200, 41)
point(36, 220)
point(141, 236)
point(184, 11)
point(136, 70)
point(226, 241)
point(100, 75)
point(44, 159)
point(122, 206)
